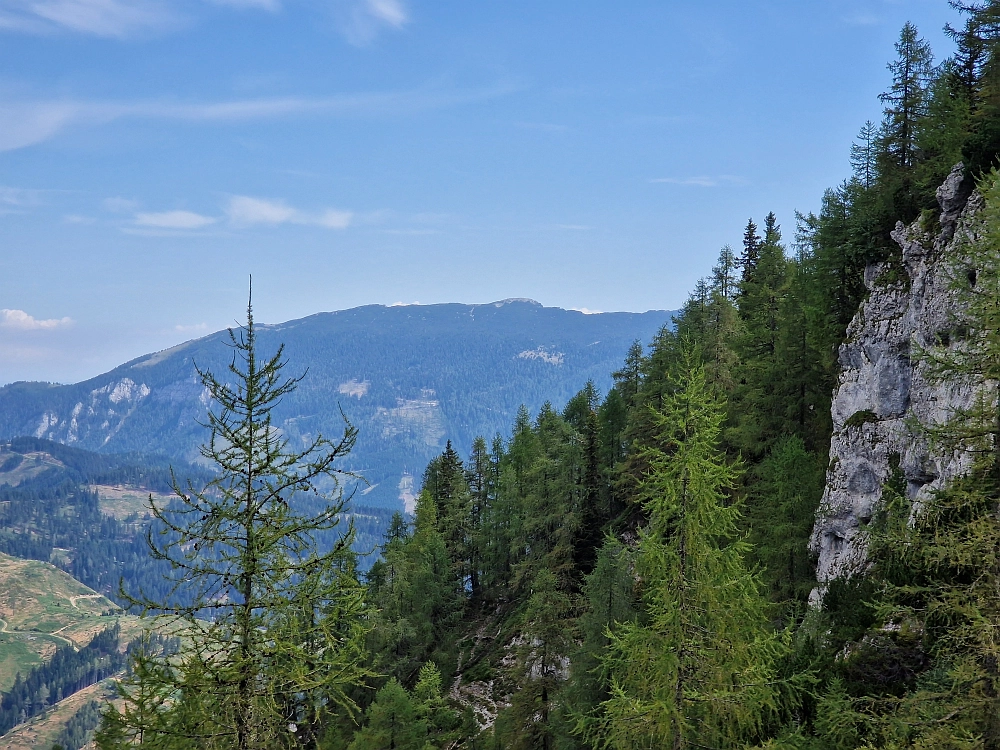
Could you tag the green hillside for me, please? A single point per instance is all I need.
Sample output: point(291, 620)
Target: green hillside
point(42, 607)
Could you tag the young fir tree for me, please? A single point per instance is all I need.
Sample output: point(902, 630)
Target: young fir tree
point(481, 478)
point(698, 669)
point(445, 481)
point(271, 624)
point(610, 601)
point(418, 598)
point(781, 510)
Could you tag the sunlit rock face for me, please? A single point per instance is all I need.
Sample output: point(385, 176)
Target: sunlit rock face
point(886, 388)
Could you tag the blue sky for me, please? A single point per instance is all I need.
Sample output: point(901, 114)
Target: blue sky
point(590, 155)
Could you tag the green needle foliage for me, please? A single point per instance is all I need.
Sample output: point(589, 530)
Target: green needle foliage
point(938, 563)
point(698, 670)
point(271, 624)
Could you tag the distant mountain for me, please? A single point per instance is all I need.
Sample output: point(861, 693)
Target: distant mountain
point(409, 377)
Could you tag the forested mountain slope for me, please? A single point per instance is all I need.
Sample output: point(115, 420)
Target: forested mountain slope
point(410, 377)
point(631, 568)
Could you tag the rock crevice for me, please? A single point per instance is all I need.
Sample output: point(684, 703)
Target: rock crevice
point(885, 388)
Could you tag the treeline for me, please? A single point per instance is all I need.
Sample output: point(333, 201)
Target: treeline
point(67, 672)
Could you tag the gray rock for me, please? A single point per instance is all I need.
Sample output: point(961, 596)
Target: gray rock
point(887, 384)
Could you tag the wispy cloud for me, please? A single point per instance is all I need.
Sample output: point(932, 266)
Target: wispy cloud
point(244, 210)
point(106, 18)
point(119, 205)
point(20, 320)
point(174, 220)
point(360, 21)
point(25, 123)
point(18, 197)
point(190, 328)
point(702, 181)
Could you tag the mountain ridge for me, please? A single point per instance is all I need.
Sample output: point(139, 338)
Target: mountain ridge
point(411, 377)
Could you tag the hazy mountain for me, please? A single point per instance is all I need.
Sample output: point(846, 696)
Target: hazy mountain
point(409, 377)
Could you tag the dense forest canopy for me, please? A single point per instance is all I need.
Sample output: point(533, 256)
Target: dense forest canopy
point(630, 569)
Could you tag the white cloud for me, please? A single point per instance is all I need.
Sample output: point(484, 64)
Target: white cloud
point(174, 220)
point(587, 310)
point(17, 198)
point(245, 210)
point(702, 181)
point(335, 219)
point(361, 21)
point(20, 320)
point(107, 18)
point(25, 123)
point(411, 232)
point(119, 205)
point(77, 219)
point(191, 328)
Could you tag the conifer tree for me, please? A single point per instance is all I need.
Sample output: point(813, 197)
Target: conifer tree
point(939, 561)
point(542, 659)
point(418, 597)
point(481, 478)
point(698, 669)
point(724, 273)
point(906, 100)
point(751, 250)
point(259, 605)
point(628, 380)
point(864, 155)
point(446, 482)
point(391, 722)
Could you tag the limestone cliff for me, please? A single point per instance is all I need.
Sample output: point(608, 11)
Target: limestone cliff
point(885, 388)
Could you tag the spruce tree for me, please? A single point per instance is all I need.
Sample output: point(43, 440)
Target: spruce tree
point(391, 722)
point(906, 100)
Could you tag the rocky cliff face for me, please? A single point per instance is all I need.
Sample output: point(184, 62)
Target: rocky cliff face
point(885, 388)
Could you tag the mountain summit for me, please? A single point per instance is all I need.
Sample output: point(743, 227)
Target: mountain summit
point(410, 377)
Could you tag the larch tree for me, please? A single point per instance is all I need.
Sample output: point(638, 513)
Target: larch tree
point(271, 622)
point(698, 668)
